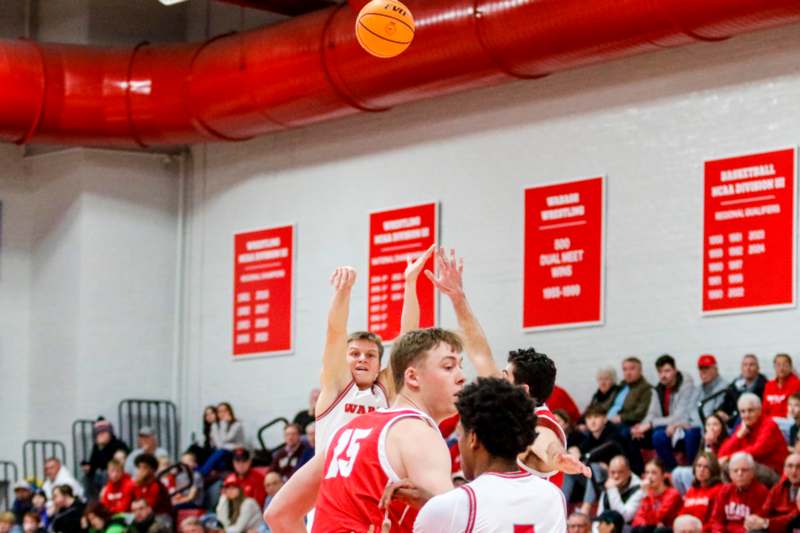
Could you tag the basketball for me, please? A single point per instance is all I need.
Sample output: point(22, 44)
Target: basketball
point(384, 28)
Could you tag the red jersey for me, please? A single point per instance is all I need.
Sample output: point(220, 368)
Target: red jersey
point(253, 485)
point(355, 475)
point(699, 502)
point(776, 397)
point(733, 506)
point(545, 418)
point(117, 497)
point(156, 495)
point(658, 509)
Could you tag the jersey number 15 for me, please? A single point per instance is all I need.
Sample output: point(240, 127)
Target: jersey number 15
point(346, 451)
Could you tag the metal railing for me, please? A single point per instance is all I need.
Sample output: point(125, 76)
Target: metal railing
point(36, 452)
point(177, 469)
point(264, 455)
point(82, 443)
point(8, 476)
point(160, 415)
point(702, 403)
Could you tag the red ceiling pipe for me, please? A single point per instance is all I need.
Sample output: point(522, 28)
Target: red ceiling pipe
point(310, 68)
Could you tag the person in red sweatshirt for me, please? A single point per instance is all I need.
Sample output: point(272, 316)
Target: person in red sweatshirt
point(759, 436)
point(661, 502)
point(780, 508)
point(117, 495)
point(699, 499)
point(778, 390)
point(560, 399)
point(739, 499)
point(148, 487)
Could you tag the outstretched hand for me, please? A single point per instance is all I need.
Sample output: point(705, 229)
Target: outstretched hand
point(404, 491)
point(415, 266)
point(571, 465)
point(448, 277)
point(343, 278)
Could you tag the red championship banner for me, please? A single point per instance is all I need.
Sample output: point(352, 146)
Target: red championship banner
point(263, 291)
point(563, 278)
point(749, 232)
point(395, 235)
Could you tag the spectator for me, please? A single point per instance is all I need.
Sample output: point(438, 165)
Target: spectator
point(738, 499)
point(609, 522)
point(750, 380)
point(148, 487)
point(601, 444)
point(121, 456)
point(794, 415)
point(32, 523)
point(574, 437)
point(227, 434)
point(306, 416)
point(118, 493)
point(623, 492)
point(311, 443)
point(778, 390)
point(192, 498)
point(714, 435)
point(630, 404)
point(101, 520)
point(55, 474)
point(687, 524)
point(204, 450)
point(668, 412)
point(39, 501)
point(758, 436)
point(250, 481)
point(560, 399)
point(23, 500)
point(607, 388)
point(710, 384)
point(144, 519)
point(8, 522)
point(660, 504)
point(68, 510)
point(780, 507)
point(794, 525)
point(699, 499)
point(272, 484)
point(147, 442)
point(578, 522)
point(235, 511)
point(106, 444)
point(285, 461)
point(192, 524)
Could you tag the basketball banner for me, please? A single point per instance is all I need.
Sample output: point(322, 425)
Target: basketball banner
point(564, 249)
point(749, 232)
point(263, 292)
point(394, 236)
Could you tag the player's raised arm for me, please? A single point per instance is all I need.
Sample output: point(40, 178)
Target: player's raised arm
point(449, 280)
point(409, 318)
point(335, 370)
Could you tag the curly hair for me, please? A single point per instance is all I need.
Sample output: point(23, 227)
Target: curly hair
point(500, 414)
point(536, 370)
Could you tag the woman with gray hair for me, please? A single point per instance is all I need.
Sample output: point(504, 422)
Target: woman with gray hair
point(607, 388)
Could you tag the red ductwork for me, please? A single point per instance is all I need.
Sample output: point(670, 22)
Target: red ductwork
point(310, 68)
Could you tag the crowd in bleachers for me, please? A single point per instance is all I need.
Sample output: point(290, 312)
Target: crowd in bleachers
point(219, 484)
point(716, 456)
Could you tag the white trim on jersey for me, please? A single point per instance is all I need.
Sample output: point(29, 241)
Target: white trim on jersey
point(382, 456)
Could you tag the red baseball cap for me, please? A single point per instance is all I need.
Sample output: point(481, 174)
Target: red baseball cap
point(231, 481)
point(706, 360)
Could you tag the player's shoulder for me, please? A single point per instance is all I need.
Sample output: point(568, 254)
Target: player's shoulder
point(440, 512)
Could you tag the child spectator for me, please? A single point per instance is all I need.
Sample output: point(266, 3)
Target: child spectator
point(148, 487)
point(31, 523)
point(7, 522)
point(699, 499)
point(236, 512)
point(660, 504)
point(118, 493)
point(39, 501)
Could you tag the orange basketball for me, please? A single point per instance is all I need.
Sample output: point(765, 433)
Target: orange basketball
point(384, 28)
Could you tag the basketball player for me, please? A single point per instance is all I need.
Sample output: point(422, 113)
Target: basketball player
point(351, 384)
point(496, 425)
point(547, 457)
point(399, 443)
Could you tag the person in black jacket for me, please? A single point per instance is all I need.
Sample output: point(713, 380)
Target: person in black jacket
point(750, 380)
point(106, 444)
point(69, 510)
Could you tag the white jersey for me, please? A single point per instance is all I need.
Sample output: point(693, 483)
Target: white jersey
point(350, 403)
point(513, 502)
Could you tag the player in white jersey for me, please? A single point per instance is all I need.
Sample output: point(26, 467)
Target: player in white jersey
point(351, 383)
point(496, 424)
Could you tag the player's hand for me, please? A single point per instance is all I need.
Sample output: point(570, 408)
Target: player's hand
point(570, 465)
point(343, 278)
point(414, 267)
point(405, 491)
point(448, 278)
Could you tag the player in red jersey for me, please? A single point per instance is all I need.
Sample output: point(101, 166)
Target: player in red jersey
point(399, 443)
point(547, 457)
point(351, 383)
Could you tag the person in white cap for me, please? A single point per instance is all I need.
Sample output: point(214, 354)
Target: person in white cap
point(147, 443)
